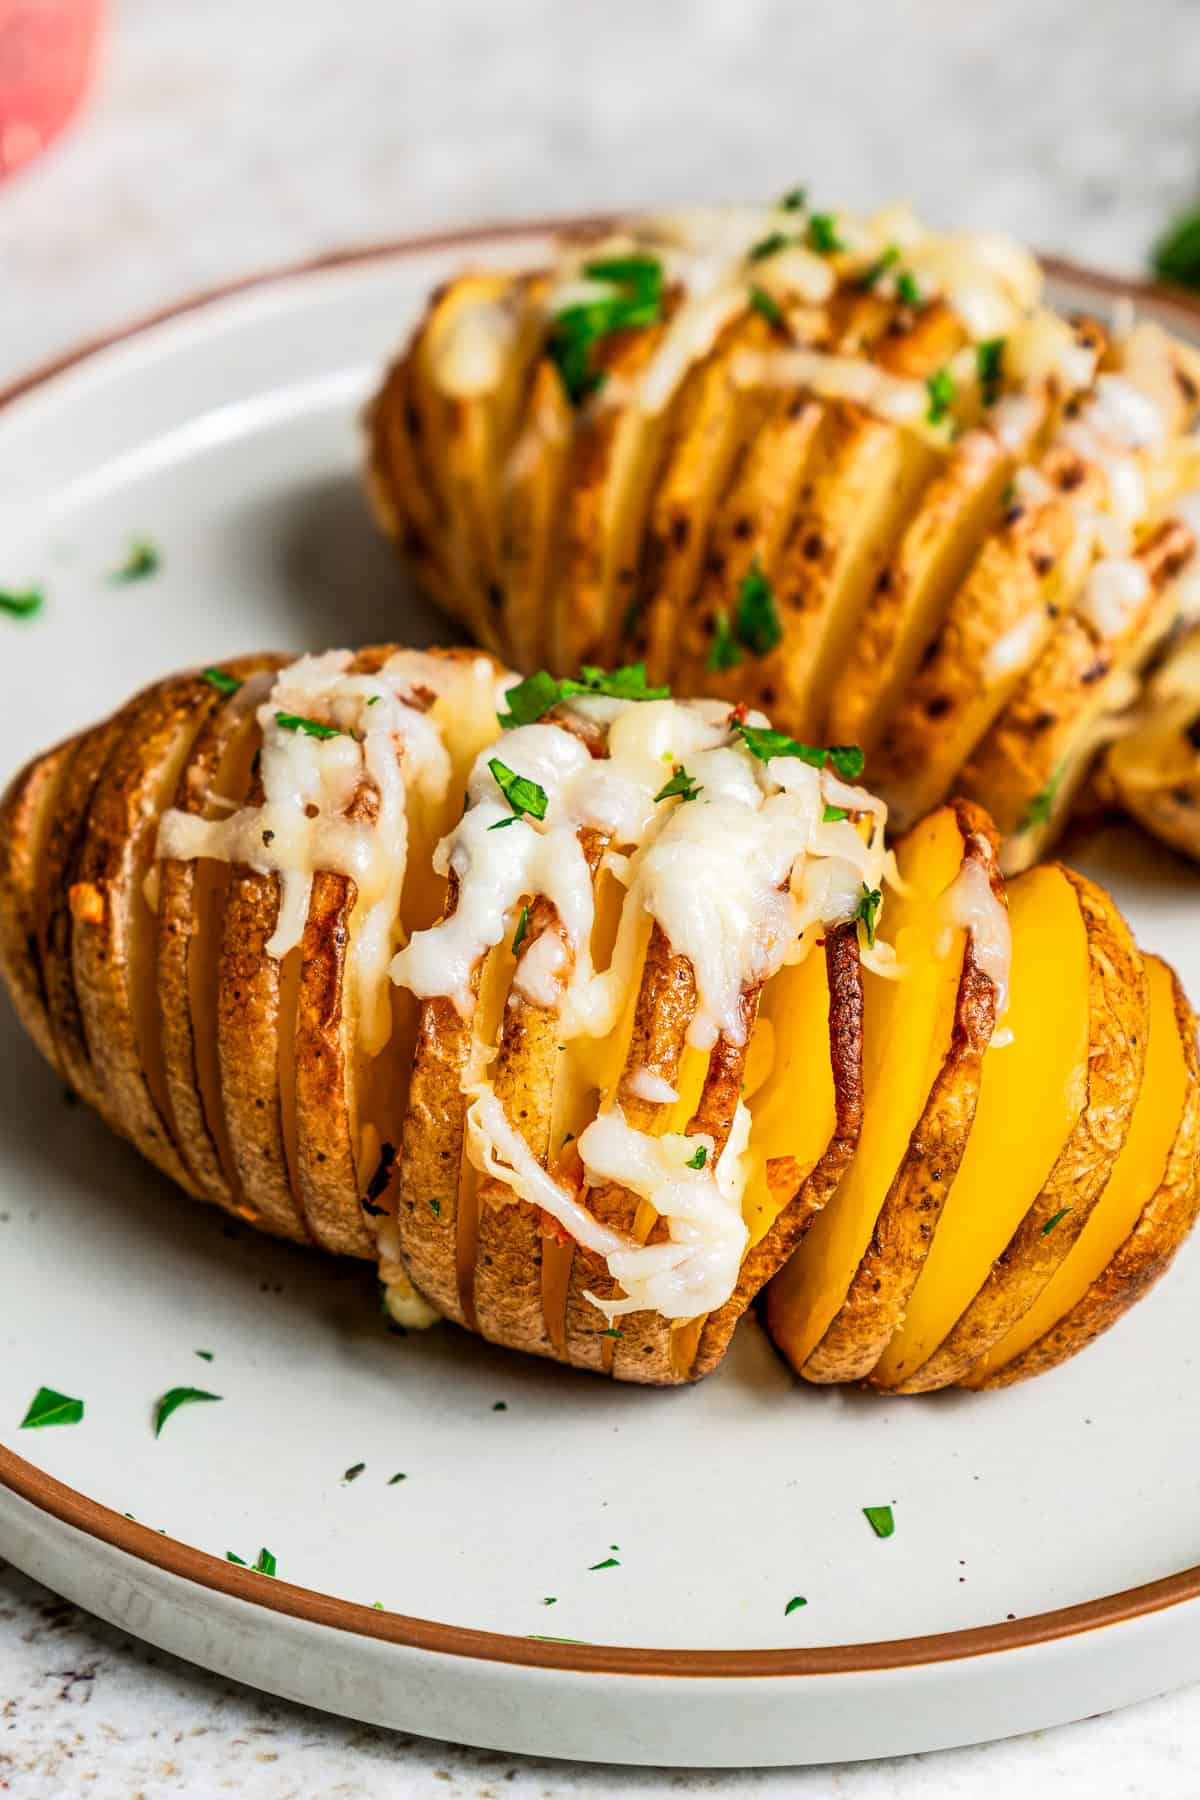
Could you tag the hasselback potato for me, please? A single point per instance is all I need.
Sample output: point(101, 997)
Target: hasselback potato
point(587, 1012)
point(847, 470)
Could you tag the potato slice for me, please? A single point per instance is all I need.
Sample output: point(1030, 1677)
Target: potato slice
point(1032, 761)
point(806, 1128)
point(1153, 771)
point(256, 1010)
point(914, 588)
point(712, 427)
point(614, 457)
point(191, 899)
point(26, 815)
point(998, 623)
point(1148, 1206)
point(468, 368)
point(403, 496)
point(531, 503)
point(833, 1307)
point(1071, 1075)
point(114, 948)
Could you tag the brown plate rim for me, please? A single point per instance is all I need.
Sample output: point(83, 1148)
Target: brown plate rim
point(83, 1514)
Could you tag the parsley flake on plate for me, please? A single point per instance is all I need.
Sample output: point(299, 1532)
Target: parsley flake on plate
point(353, 1473)
point(793, 1605)
point(173, 1399)
point(610, 1562)
point(880, 1519)
point(204, 1355)
point(1177, 255)
point(264, 1563)
point(396, 1479)
point(51, 1408)
point(21, 603)
point(142, 561)
point(794, 200)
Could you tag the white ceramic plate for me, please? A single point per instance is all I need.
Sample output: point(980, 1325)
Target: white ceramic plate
point(1042, 1562)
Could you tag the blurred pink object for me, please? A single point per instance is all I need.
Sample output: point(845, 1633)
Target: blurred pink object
point(48, 52)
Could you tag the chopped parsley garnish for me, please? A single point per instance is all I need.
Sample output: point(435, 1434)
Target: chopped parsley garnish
point(377, 1186)
point(310, 727)
point(880, 1519)
point(1042, 805)
point(50, 1408)
point(173, 1399)
point(578, 328)
point(767, 305)
point(883, 262)
point(833, 815)
point(989, 360)
point(794, 200)
point(499, 1405)
point(770, 245)
point(550, 1600)
point(396, 1479)
point(867, 912)
point(940, 388)
point(698, 1158)
point(204, 1355)
point(524, 796)
point(522, 929)
point(264, 1563)
point(680, 787)
point(22, 604)
point(611, 1331)
point(531, 699)
point(610, 1562)
point(1177, 255)
point(796, 1601)
point(435, 1207)
point(845, 759)
point(908, 289)
point(1056, 1219)
point(755, 627)
point(224, 684)
point(823, 234)
point(353, 1473)
point(143, 560)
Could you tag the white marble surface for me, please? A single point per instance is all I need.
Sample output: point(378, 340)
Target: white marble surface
point(227, 137)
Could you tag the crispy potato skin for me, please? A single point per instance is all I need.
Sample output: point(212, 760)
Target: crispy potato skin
point(918, 610)
point(26, 817)
point(1147, 1252)
point(1153, 770)
point(818, 1186)
point(909, 1215)
point(1117, 1034)
point(109, 989)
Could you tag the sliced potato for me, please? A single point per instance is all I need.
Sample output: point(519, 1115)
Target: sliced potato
point(834, 1306)
point(191, 899)
point(114, 947)
point(1153, 770)
point(1148, 1205)
point(1071, 1075)
point(1038, 751)
point(805, 1132)
point(26, 817)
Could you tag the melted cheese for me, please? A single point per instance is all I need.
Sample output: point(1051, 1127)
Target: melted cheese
point(384, 741)
point(971, 904)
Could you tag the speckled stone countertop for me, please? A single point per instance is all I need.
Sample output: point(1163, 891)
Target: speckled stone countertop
point(228, 137)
